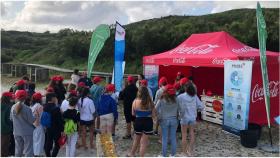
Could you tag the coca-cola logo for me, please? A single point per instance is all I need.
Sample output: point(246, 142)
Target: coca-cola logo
point(258, 93)
point(179, 60)
point(218, 61)
point(201, 49)
point(245, 49)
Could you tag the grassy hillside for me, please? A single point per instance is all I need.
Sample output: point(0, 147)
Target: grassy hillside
point(69, 48)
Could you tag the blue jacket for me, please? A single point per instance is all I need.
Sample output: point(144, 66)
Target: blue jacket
point(107, 105)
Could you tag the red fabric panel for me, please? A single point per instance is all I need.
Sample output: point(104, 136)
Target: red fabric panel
point(170, 72)
point(209, 79)
point(257, 113)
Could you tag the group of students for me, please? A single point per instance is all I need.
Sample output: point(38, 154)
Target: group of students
point(37, 123)
point(173, 104)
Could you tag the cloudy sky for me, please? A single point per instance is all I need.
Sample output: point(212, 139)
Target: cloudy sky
point(40, 16)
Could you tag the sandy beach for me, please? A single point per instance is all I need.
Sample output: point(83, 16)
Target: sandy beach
point(210, 139)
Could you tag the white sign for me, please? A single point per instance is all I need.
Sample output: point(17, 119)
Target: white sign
point(201, 49)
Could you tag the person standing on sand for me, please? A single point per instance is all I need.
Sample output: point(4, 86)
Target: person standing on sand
point(143, 109)
point(87, 110)
point(71, 117)
point(162, 83)
point(128, 94)
point(23, 120)
point(189, 103)
point(54, 130)
point(107, 110)
point(168, 112)
point(96, 91)
point(6, 123)
point(39, 131)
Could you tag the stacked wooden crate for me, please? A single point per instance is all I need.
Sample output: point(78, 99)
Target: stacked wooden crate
point(208, 114)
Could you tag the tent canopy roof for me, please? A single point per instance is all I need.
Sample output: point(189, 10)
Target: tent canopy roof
point(210, 50)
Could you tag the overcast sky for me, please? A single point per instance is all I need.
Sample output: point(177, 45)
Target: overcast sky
point(40, 16)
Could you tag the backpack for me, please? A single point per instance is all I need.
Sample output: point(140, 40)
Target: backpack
point(46, 119)
point(70, 127)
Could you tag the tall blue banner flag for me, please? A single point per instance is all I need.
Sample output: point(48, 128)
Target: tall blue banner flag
point(119, 56)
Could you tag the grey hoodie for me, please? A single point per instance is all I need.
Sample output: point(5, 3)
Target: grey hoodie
point(189, 106)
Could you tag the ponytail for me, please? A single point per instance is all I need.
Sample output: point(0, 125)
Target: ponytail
point(84, 94)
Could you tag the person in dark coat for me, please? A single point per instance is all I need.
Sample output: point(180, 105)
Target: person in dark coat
point(128, 95)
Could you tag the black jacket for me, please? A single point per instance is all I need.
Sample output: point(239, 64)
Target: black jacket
point(128, 95)
point(56, 118)
point(72, 114)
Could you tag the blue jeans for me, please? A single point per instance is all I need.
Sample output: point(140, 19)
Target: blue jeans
point(168, 130)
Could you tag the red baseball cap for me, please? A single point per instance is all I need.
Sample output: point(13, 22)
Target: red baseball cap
point(170, 89)
point(130, 79)
point(144, 82)
point(60, 78)
point(21, 94)
point(37, 96)
point(81, 84)
point(97, 79)
point(162, 81)
point(177, 85)
point(20, 82)
point(110, 88)
point(55, 78)
point(183, 81)
point(8, 94)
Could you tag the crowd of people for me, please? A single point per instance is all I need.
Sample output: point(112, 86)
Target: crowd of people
point(35, 124)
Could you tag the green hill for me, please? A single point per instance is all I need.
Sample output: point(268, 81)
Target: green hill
point(69, 48)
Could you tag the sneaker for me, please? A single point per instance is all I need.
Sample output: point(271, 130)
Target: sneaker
point(127, 137)
point(113, 134)
point(155, 133)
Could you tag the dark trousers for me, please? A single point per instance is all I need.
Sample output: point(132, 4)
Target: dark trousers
point(52, 138)
point(12, 145)
point(5, 140)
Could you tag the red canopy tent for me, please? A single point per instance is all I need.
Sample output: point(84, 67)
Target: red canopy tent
point(203, 56)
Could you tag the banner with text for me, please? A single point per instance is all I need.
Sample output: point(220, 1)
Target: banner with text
point(119, 56)
point(151, 73)
point(237, 86)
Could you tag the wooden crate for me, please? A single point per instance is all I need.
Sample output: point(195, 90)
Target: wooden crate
point(208, 114)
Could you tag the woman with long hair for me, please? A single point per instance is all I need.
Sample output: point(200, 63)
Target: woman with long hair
point(167, 112)
point(87, 110)
point(143, 110)
point(189, 104)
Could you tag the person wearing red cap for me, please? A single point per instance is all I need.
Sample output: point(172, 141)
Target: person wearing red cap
point(96, 91)
point(167, 109)
point(57, 84)
point(189, 104)
point(162, 83)
point(39, 131)
point(6, 124)
point(23, 120)
point(183, 82)
point(128, 94)
point(107, 110)
point(144, 83)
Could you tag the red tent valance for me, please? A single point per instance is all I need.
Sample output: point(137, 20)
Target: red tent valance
point(210, 50)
